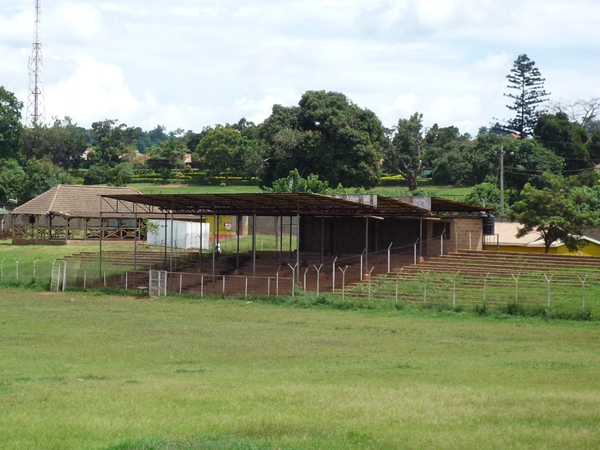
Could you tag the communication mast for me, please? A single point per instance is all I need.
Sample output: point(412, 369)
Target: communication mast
point(35, 104)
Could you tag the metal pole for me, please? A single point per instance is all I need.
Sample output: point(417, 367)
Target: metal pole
point(390, 258)
point(172, 237)
point(254, 246)
point(297, 240)
point(333, 275)
point(101, 233)
point(135, 235)
point(502, 178)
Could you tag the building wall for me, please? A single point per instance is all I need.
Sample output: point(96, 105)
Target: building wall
point(459, 234)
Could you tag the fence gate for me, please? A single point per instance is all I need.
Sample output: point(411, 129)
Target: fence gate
point(55, 277)
point(158, 283)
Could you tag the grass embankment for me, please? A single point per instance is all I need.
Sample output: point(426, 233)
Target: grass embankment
point(93, 371)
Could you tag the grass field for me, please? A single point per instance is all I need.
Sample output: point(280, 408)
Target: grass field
point(84, 370)
point(450, 192)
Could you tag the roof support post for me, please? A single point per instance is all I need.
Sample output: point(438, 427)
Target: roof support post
point(367, 243)
point(101, 235)
point(166, 240)
point(172, 233)
point(214, 246)
point(322, 238)
point(135, 238)
point(297, 242)
point(238, 224)
point(420, 239)
point(254, 246)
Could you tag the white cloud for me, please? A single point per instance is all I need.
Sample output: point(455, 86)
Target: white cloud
point(95, 91)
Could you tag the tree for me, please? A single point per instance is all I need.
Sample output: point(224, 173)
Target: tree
point(404, 149)
point(113, 143)
point(555, 212)
point(325, 135)
point(295, 183)
point(526, 80)
point(11, 129)
point(170, 153)
point(581, 112)
point(526, 161)
point(63, 143)
point(566, 139)
point(42, 175)
point(218, 151)
point(13, 180)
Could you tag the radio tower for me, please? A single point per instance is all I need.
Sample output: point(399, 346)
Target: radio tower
point(35, 103)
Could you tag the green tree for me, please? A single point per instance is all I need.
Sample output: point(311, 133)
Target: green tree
point(325, 135)
point(404, 149)
point(13, 181)
point(525, 79)
point(565, 138)
point(295, 183)
point(555, 211)
point(484, 194)
point(170, 153)
point(42, 175)
point(63, 143)
point(113, 143)
point(526, 161)
point(11, 129)
point(218, 151)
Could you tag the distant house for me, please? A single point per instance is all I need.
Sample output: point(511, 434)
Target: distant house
point(506, 240)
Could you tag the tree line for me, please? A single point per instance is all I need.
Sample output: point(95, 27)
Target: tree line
point(326, 139)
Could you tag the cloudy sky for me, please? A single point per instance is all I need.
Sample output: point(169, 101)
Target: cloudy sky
point(192, 63)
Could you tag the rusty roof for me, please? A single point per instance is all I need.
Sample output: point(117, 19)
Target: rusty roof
point(272, 204)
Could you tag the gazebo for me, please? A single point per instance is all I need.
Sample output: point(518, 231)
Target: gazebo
point(73, 212)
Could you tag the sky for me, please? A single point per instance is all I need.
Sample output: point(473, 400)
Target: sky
point(193, 63)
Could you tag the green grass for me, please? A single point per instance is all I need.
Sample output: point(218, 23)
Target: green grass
point(450, 192)
point(83, 370)
point(148, 188)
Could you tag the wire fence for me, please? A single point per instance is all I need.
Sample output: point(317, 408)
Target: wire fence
point(368, 277)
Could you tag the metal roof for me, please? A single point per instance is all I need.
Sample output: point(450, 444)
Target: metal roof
point(271, 204)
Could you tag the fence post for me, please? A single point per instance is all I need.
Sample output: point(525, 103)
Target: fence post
point(269, 285)
point(442, 245)
point(318, 276)
point(64, 277)
point(361, 264)
point(415, 251)
point(343, 281)
point(304, 284)
point(369, 273)
point(548, 280)
point(17, 267)
point(454, 289)
point(2, 269)
point(180, 283)
point(293, 278)
point(201, 285)
point(333, 275)
point(425, 274)
point(246, 289)
point(516, 286)
point(277, 281)
point(223, 284)
point(398, 283)
point(582, 291)
point(470, 247)
point(34, 264)
point(84, 279)
point(126, 281)
point(390, 257)
point(485, 277)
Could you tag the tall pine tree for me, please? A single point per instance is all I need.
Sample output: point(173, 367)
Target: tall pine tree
point(526, 80)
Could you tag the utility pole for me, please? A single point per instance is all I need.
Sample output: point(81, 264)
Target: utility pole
point(502, 178)
point(35, 103)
